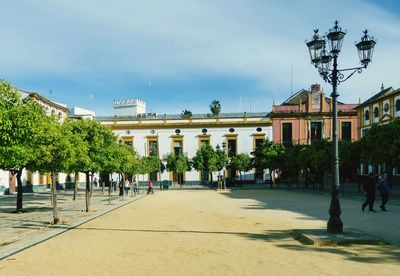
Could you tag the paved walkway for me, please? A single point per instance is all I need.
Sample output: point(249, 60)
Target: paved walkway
point(232, 232)
point(19, 231)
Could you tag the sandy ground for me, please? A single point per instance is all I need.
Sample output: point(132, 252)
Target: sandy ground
point(201, 233)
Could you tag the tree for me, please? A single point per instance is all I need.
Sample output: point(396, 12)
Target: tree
point(269, 155)
point(349, 157)
point(99, 141)
point(292, 166)
point(20, 124)
point(321, 159)
point(186, 114)
point(215, 108)
point(81, 156)
point(381, 146)
point(53, 154)
point(206, 159)
point(178, 164)
point(125, 161)
point(241, 162)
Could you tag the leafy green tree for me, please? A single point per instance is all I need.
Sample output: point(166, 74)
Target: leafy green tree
point(321, 159)
point(100, 142)
point(206, 159)
point(242, 163)
point(20, 124)
point(349, 157)
point(81, 156)
point(215, 108)
point(53, 154)
point(292, 166)
point(178, 164)
point(269, 155)
point(125, 160)
point(186, 114)
point(381, 145)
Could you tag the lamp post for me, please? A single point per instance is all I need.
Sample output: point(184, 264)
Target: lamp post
point(224, 149)
point(321, 58)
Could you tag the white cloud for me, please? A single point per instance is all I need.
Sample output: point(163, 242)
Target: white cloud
point(257, 40)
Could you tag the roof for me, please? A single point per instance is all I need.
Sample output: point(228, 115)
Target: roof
point(25, 94)
point(302, 97)
point(178, 116)
point(380, 95)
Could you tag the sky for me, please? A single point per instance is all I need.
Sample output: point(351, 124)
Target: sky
point(178, 55)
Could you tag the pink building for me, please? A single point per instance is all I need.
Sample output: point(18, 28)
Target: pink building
point(307, 115)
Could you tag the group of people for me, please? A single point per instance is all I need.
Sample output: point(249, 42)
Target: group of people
point(132, 185)
point(370, 188)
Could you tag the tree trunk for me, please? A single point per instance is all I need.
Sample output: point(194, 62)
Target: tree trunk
point(54, 197)
point(123, 186)
point(109, 190)
point(211, 177)
point(19, 190)
point(102, 186)
point(91, 185)
point(270, 176)
point(87, 191)
point(75, 187)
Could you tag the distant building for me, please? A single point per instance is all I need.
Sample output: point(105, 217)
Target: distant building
point(81, 113)
point(129, 107)
point(307, 116)
point(381, 108)
point(162, 135)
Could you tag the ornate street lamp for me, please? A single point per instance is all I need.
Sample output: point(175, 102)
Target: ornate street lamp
point(322, 59)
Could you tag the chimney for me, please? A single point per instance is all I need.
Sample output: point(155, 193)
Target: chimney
point(382, 87)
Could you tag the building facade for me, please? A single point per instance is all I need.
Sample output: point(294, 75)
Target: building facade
point(307, 116)
point(162, 135)
point(381, 108)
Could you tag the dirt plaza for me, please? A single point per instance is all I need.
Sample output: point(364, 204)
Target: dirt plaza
point(207, 232)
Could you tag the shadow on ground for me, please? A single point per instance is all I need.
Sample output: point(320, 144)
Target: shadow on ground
point(284, 239)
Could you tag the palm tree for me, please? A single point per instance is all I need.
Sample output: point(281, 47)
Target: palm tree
point(186, 114)
point(215, 107)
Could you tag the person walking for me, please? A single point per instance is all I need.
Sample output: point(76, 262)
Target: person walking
point(369, 190)
point(150, 189)
point(383, 187)
point(127, 185)
point(135, 187)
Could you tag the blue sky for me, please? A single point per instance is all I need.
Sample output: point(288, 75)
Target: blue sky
point(182, 54)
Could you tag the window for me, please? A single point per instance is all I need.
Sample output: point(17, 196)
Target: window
point(397, 105)
point(287, 133)
point(177, 131)
point(376, 112)
point(204, 130)
point(366, 115)
point(153, 148)
point(231, 130)
point(316, 131)
point(386, 107)
point(346, 131)
point(364, 132)
point(259, 129)
point(231, 147)
point(177, 147)
point(258, 142)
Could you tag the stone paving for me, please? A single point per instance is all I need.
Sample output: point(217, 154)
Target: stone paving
point(18, 230)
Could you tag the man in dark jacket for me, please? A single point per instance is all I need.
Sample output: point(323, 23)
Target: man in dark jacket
point(383, 187)
point(369, 190)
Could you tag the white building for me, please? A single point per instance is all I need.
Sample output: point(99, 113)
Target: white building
point(81, 113)
point(162, 135)
point(129, 107)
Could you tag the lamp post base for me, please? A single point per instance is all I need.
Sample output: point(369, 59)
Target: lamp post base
point(335, 226)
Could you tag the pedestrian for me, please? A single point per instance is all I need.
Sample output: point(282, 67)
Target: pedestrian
point(127, 184)
point(150, 189)
point(369, 190)
point(383, 187)
point(121, 187)
point(135, 186)
point(219, 182)
point(96, 183)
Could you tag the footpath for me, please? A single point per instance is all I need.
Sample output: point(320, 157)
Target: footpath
point(23, 230)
